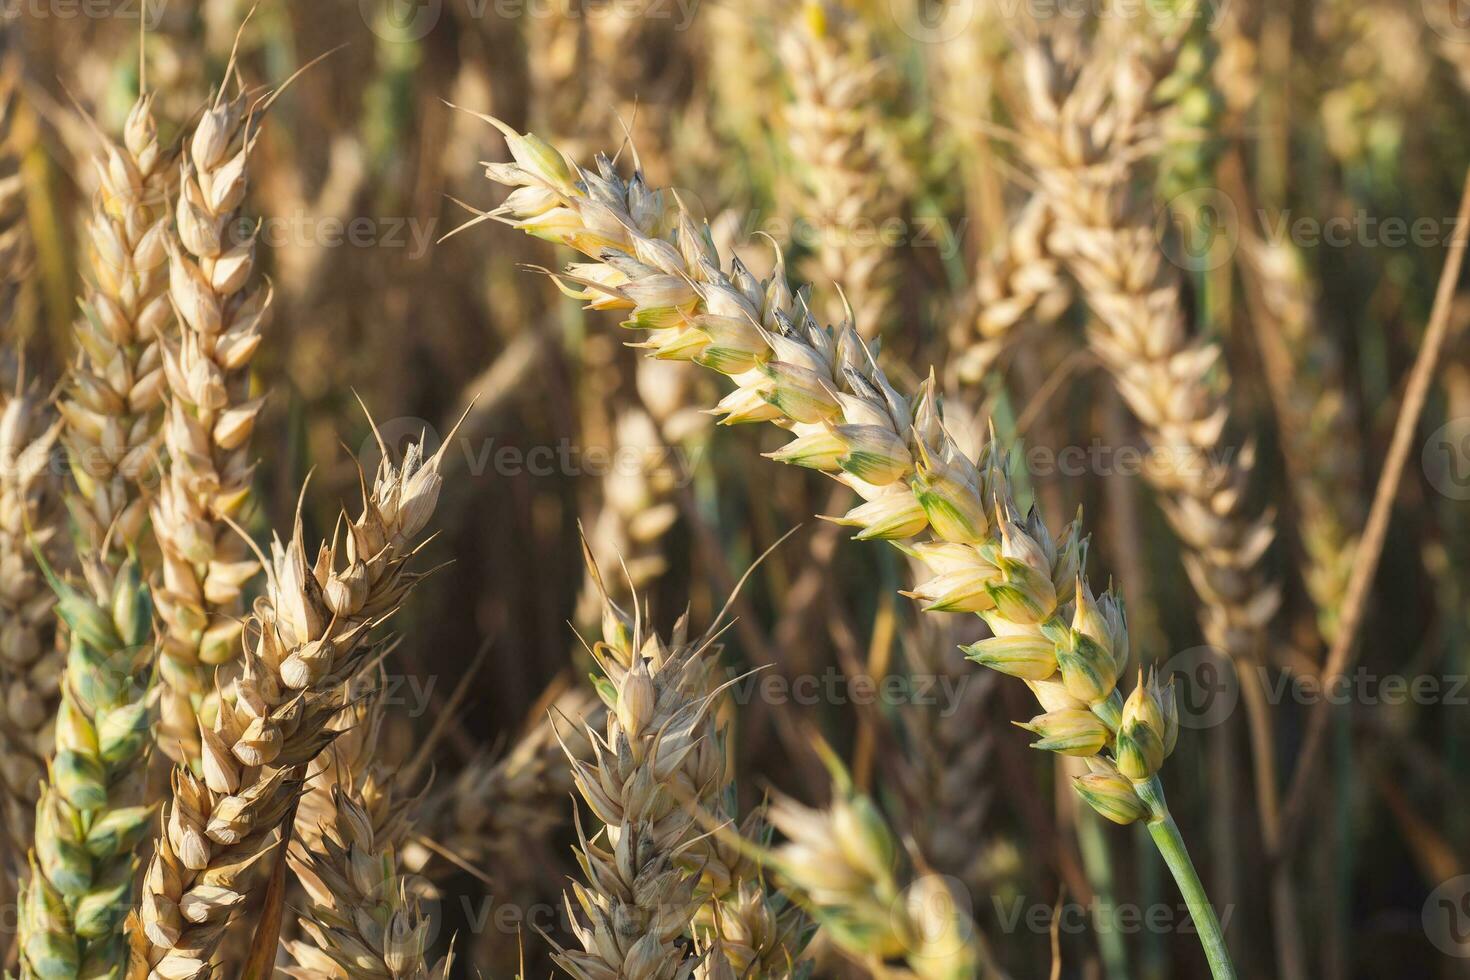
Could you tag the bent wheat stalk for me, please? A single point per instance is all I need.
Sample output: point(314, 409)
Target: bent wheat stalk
point(824, 385)
point(309, 633)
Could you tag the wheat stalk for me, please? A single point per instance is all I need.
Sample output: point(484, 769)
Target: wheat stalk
point(836, 136)
point(1019, 281)
point(363, 919)
point(91, 814)
point(309, 634)
point(211, 415)
point(825, 387)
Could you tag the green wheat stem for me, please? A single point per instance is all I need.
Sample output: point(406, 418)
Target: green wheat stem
point(1170, 842)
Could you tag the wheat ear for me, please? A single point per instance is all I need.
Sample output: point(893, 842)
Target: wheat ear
point(826, 387)
point(841, 862)
point(91, 813)
point(363, 920)
point(1173, 382)
point(658, 758)
point(15, 238)
point(221, 311)
point(1315, 420)
point(116, 386)
point(30, 658)
point(835, 132)
point(309, 634)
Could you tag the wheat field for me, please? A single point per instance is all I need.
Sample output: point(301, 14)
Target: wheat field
point(619, 489)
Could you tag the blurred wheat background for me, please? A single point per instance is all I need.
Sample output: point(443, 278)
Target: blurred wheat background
point(1189, 271)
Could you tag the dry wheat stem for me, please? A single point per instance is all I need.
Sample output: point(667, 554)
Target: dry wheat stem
point(222, 310)
point(308, 635)
point(826, 387)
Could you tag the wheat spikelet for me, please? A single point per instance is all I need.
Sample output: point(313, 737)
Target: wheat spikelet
point(363, 919)
point(847, 173)
point(30, 657)
point(310, 633)
point(744, 927)
point(1086, 125)
point(222, 311)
